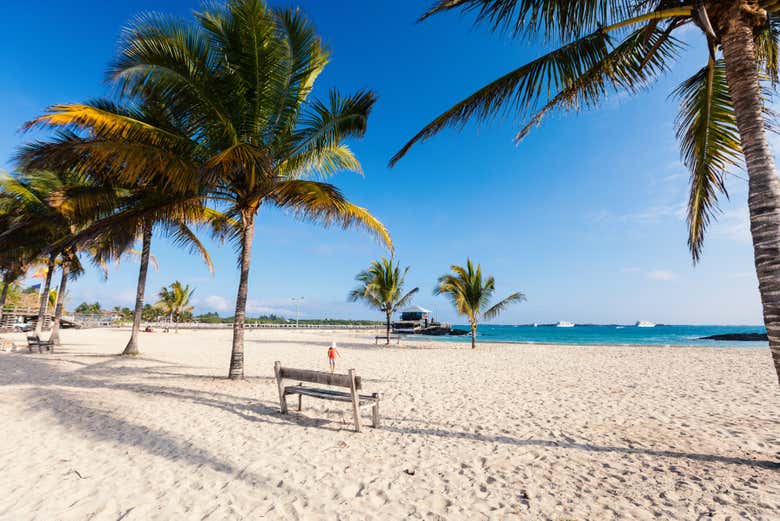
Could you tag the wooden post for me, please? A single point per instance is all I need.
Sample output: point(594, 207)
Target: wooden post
point(375, 411)
point(300, 398)
point(355, 398)
point(282, 399)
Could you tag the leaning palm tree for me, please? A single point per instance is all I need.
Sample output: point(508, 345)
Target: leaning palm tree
point(46, 208)
point(153, 199)
point(175, 300)
point(381, 287)
point(622, 46)
point(241, 78)
point(470, 294)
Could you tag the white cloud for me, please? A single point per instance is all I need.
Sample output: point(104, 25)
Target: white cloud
point(652, 214)
point(661, 275)
point(257, 307)
point(215, 303)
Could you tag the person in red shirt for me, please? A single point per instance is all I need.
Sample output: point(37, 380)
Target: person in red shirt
point(332, 354)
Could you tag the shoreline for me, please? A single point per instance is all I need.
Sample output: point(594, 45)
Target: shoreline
point(432, 340)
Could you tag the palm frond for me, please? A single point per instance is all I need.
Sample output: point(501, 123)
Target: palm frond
point(498, 308)
point(766, 44)
point(553, 18)
point(406, 299)
point(710, 144)
point(324, 125)
point(629, 67)
point(324, 203)
point(522, 89)
point(381, 286)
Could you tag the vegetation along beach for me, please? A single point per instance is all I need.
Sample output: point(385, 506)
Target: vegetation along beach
point(464, 259)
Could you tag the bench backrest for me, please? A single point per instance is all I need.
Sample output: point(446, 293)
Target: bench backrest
point(317, 377)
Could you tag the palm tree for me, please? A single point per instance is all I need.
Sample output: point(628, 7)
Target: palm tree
point(46, 209)
point(241, 80)
point(470, 294)
point(381, 287)
point(175, 300)
point(153, 199)
point(622, 46)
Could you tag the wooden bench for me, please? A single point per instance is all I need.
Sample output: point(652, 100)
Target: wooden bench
point(35, 341)
point(397, 339)
point(350, 380)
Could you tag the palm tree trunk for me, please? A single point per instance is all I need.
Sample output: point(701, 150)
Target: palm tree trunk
point(388, 315)
point(45, 295)
point(763, 185)
point(4, 295)
point(55, 328)
point(473, 335)
point(132, 346)
point(237, 354)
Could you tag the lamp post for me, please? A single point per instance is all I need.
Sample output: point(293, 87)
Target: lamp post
point(297, 301)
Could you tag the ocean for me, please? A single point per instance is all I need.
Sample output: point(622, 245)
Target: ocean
point(671, 335)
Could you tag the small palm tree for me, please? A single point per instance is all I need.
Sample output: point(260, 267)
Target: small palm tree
point(381, 287)
point(175, 300)
point(470, 294)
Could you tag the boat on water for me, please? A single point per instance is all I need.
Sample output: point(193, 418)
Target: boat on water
point(564, 323)
point(644, 323)
point(419, 321)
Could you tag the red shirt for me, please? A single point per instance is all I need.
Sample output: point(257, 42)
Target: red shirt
point(331, 353)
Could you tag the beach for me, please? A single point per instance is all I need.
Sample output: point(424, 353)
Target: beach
point(503, 432)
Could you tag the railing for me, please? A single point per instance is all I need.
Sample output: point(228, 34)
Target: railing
point(17, 310)
point(202, 325)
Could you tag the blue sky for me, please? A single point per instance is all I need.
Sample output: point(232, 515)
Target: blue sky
point(586, 216)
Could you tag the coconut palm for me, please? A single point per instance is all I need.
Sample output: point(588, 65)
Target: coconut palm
point(241, 78)
point(470, 294)
point(381, 287)
point(46, 209)
point(175, 300)
point(622, 46)
point(153, 199)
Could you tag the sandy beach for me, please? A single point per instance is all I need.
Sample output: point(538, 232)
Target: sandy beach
point(503, 432)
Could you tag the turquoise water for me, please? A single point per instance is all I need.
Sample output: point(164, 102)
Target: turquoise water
point(611, 335)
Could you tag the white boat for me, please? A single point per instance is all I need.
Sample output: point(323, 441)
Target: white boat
point(644, 323)
point(564, 323)
point(536, 324)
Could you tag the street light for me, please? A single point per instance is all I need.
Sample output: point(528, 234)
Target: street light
point(297, 301)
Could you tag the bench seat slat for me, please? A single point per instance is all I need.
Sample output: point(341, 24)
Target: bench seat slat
point(327, 394)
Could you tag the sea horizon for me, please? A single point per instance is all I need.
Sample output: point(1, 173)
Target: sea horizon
point(612, 334)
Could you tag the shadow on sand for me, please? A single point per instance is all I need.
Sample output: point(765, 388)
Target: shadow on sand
point(95, 372)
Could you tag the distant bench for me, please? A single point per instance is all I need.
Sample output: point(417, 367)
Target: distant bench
point(350, 380)
point(397, 338)
point(35, 341)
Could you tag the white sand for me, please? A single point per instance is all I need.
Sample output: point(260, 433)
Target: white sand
point(504, 432)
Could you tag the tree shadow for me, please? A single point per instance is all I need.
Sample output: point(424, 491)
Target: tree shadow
point(588, 447)
point(43, 372)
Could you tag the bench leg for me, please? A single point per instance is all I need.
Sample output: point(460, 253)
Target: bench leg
point(300, 402)
point(355, 399)
point(279, 384)
point(375, 411)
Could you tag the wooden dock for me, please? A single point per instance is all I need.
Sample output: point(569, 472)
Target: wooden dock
point(10, 315)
